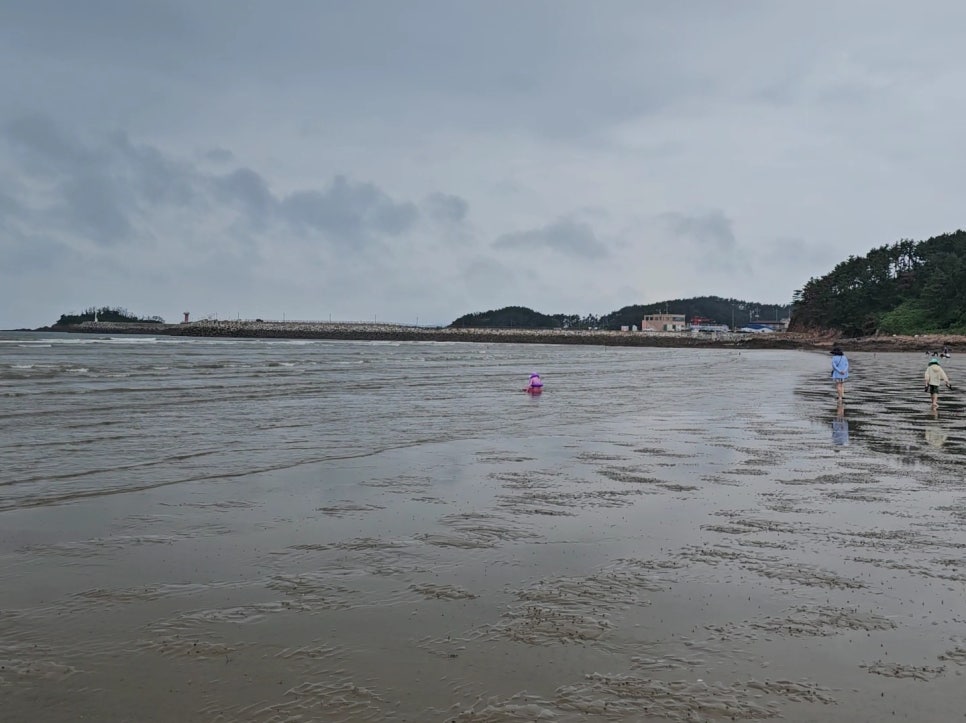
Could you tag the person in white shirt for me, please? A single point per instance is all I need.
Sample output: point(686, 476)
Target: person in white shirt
point(935, 375)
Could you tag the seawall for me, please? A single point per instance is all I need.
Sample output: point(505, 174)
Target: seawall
point(394, 332)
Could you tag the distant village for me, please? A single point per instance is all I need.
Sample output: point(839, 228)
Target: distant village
point(698, 324)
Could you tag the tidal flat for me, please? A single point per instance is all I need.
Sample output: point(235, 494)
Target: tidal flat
point(267, 531)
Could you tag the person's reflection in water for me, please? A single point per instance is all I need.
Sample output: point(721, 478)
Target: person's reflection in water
point(840, 428)
point(936, 436)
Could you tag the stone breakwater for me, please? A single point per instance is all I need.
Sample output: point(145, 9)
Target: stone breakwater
point(396, 332)
point(351, 331)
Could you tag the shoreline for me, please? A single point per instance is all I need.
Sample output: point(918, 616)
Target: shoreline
point(351, 331)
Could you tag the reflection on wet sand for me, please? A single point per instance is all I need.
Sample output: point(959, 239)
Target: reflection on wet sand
point(935, 436)
point(710, 560)
point(840, 427)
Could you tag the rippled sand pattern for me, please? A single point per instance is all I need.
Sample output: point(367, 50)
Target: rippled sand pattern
point(331, 531)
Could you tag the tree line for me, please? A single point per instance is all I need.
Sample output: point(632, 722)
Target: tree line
point(909, 287)
point(106, 313)
point(702, 309)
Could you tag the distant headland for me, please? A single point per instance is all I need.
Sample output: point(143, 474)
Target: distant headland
point(904, 296)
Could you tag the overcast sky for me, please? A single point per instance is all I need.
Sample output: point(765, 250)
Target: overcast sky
point(411, 160)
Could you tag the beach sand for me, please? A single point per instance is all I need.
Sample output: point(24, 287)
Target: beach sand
point(725, 553)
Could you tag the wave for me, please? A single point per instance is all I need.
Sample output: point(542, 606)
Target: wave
point(127, 340)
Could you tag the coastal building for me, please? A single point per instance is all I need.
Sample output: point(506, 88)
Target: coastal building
point(779, 325)
point(664, 322)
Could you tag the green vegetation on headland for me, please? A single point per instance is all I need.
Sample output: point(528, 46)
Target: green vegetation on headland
point(907, 288)
point(702, 309)
point(520, 317)
point(106, 313)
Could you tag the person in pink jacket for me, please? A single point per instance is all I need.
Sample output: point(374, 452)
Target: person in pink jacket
point(535, 385)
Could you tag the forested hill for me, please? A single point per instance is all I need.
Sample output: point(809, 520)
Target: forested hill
point(510, 317)
point(910, 287)
point(703, 309)
point(106, 313)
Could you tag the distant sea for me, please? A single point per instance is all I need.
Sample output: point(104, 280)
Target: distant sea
point(86, 415)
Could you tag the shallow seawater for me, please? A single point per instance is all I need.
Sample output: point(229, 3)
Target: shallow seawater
point(241, 530)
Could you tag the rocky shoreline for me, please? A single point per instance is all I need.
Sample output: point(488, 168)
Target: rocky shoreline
point(394, 332)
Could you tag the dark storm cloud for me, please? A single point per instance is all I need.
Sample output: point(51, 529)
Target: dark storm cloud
point(566, 236)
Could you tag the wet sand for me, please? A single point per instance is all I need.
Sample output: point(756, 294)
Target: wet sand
point(724, 553)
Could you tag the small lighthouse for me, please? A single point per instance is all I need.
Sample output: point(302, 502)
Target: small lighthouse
point(185, 318)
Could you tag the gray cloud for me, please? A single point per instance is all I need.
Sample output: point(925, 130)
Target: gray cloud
point(709, 236)
point(711, 230)
point(345, 212)
point(9, 208)
point(102, 187)
point(249, 191)
point(323, 161)
point(348, 211)
point(156, 177)
point(219, 155)
point(45, 149)
point(566, 236)
point(25, 254)
point(446, 208)
point(96, 205)
point(97, 188)
point(482, 272)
